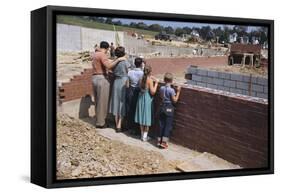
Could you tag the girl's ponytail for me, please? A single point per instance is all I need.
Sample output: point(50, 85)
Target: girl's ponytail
point(146, 71)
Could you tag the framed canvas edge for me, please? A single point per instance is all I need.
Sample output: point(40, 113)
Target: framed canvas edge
point(51, 181)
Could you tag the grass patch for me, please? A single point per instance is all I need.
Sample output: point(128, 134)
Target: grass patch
point(73, 20)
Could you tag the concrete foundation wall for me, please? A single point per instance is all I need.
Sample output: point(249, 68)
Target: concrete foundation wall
point(68, 38)
point(232, 82)
point(75, 38)
point(79, 108)
point(90, 37)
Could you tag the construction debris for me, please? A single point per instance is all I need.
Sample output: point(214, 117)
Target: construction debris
point(83, 153)
point(85, 56)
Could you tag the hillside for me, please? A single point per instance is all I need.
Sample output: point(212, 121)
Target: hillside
point(72, 20)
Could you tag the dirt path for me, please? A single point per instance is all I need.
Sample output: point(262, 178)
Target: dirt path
point(193, 160)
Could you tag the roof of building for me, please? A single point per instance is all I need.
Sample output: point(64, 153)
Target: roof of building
point(245, 48)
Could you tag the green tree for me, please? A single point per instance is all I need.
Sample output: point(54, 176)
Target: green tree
point(241, 30)
point(108, 20)
point(156, 27)
point(205, 33)
point(118, 23)
point(141, 25)
point(263, 31)
point(169, 30)
point(187, 29)
point(180, 32)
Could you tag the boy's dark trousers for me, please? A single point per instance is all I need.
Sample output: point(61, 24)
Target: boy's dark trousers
point(132, 94)
point(165, 124)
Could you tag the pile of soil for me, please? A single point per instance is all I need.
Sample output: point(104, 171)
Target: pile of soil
point(83, 153)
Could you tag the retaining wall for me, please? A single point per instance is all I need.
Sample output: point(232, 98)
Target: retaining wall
point(76, 38)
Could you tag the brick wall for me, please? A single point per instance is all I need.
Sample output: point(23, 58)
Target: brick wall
point(232, 82)
point(79, 86)
point(233, 128)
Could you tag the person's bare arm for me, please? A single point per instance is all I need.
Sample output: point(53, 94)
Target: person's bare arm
point(176, 97)
point(153, 86)
point(127, 83)
point(109, 64)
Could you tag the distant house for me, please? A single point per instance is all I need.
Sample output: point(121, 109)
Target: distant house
point(195, 33)
point(243, 40)
point(185, 37)
point(245, 54)
point(233, 37)
point(255, 40)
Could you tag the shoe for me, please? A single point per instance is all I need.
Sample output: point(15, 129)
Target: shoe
point(118, 130)
point(164, 145)
point(158, 143)
point(146, 139)
point(101, 126)
point(125, 129)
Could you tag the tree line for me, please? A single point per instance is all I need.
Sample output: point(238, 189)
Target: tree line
point(206, 32)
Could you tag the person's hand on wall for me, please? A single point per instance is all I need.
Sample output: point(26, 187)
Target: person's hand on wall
point(154, 79)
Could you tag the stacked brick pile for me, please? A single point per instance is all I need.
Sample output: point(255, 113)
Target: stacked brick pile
point(232, 82)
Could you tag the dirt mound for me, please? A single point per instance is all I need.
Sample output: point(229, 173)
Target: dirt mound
point(83, 153)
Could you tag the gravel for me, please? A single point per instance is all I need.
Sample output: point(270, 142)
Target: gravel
point(83, 153)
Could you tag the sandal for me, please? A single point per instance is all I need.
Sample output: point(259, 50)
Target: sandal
point(164, 145)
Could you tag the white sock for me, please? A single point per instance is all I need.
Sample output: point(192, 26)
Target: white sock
point(141, 135)
point(145, 135)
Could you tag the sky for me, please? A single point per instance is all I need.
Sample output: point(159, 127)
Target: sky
point(174, 24)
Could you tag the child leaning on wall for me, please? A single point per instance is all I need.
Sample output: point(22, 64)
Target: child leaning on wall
point(143, 114)
point(166, 114)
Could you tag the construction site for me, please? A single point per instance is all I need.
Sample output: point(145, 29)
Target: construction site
point(220, 120)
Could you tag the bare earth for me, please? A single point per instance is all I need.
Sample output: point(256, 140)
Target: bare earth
point(86, 152)
point(73, 63)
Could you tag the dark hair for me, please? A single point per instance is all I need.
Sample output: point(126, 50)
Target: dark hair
point(104, 45)
point(168, 77)
point(146, 71)
point(138, 61)
point(119, 51)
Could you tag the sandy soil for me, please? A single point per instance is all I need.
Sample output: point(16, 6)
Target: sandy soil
point(85, 152)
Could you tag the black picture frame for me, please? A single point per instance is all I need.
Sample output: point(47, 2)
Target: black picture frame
point(43, 96)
